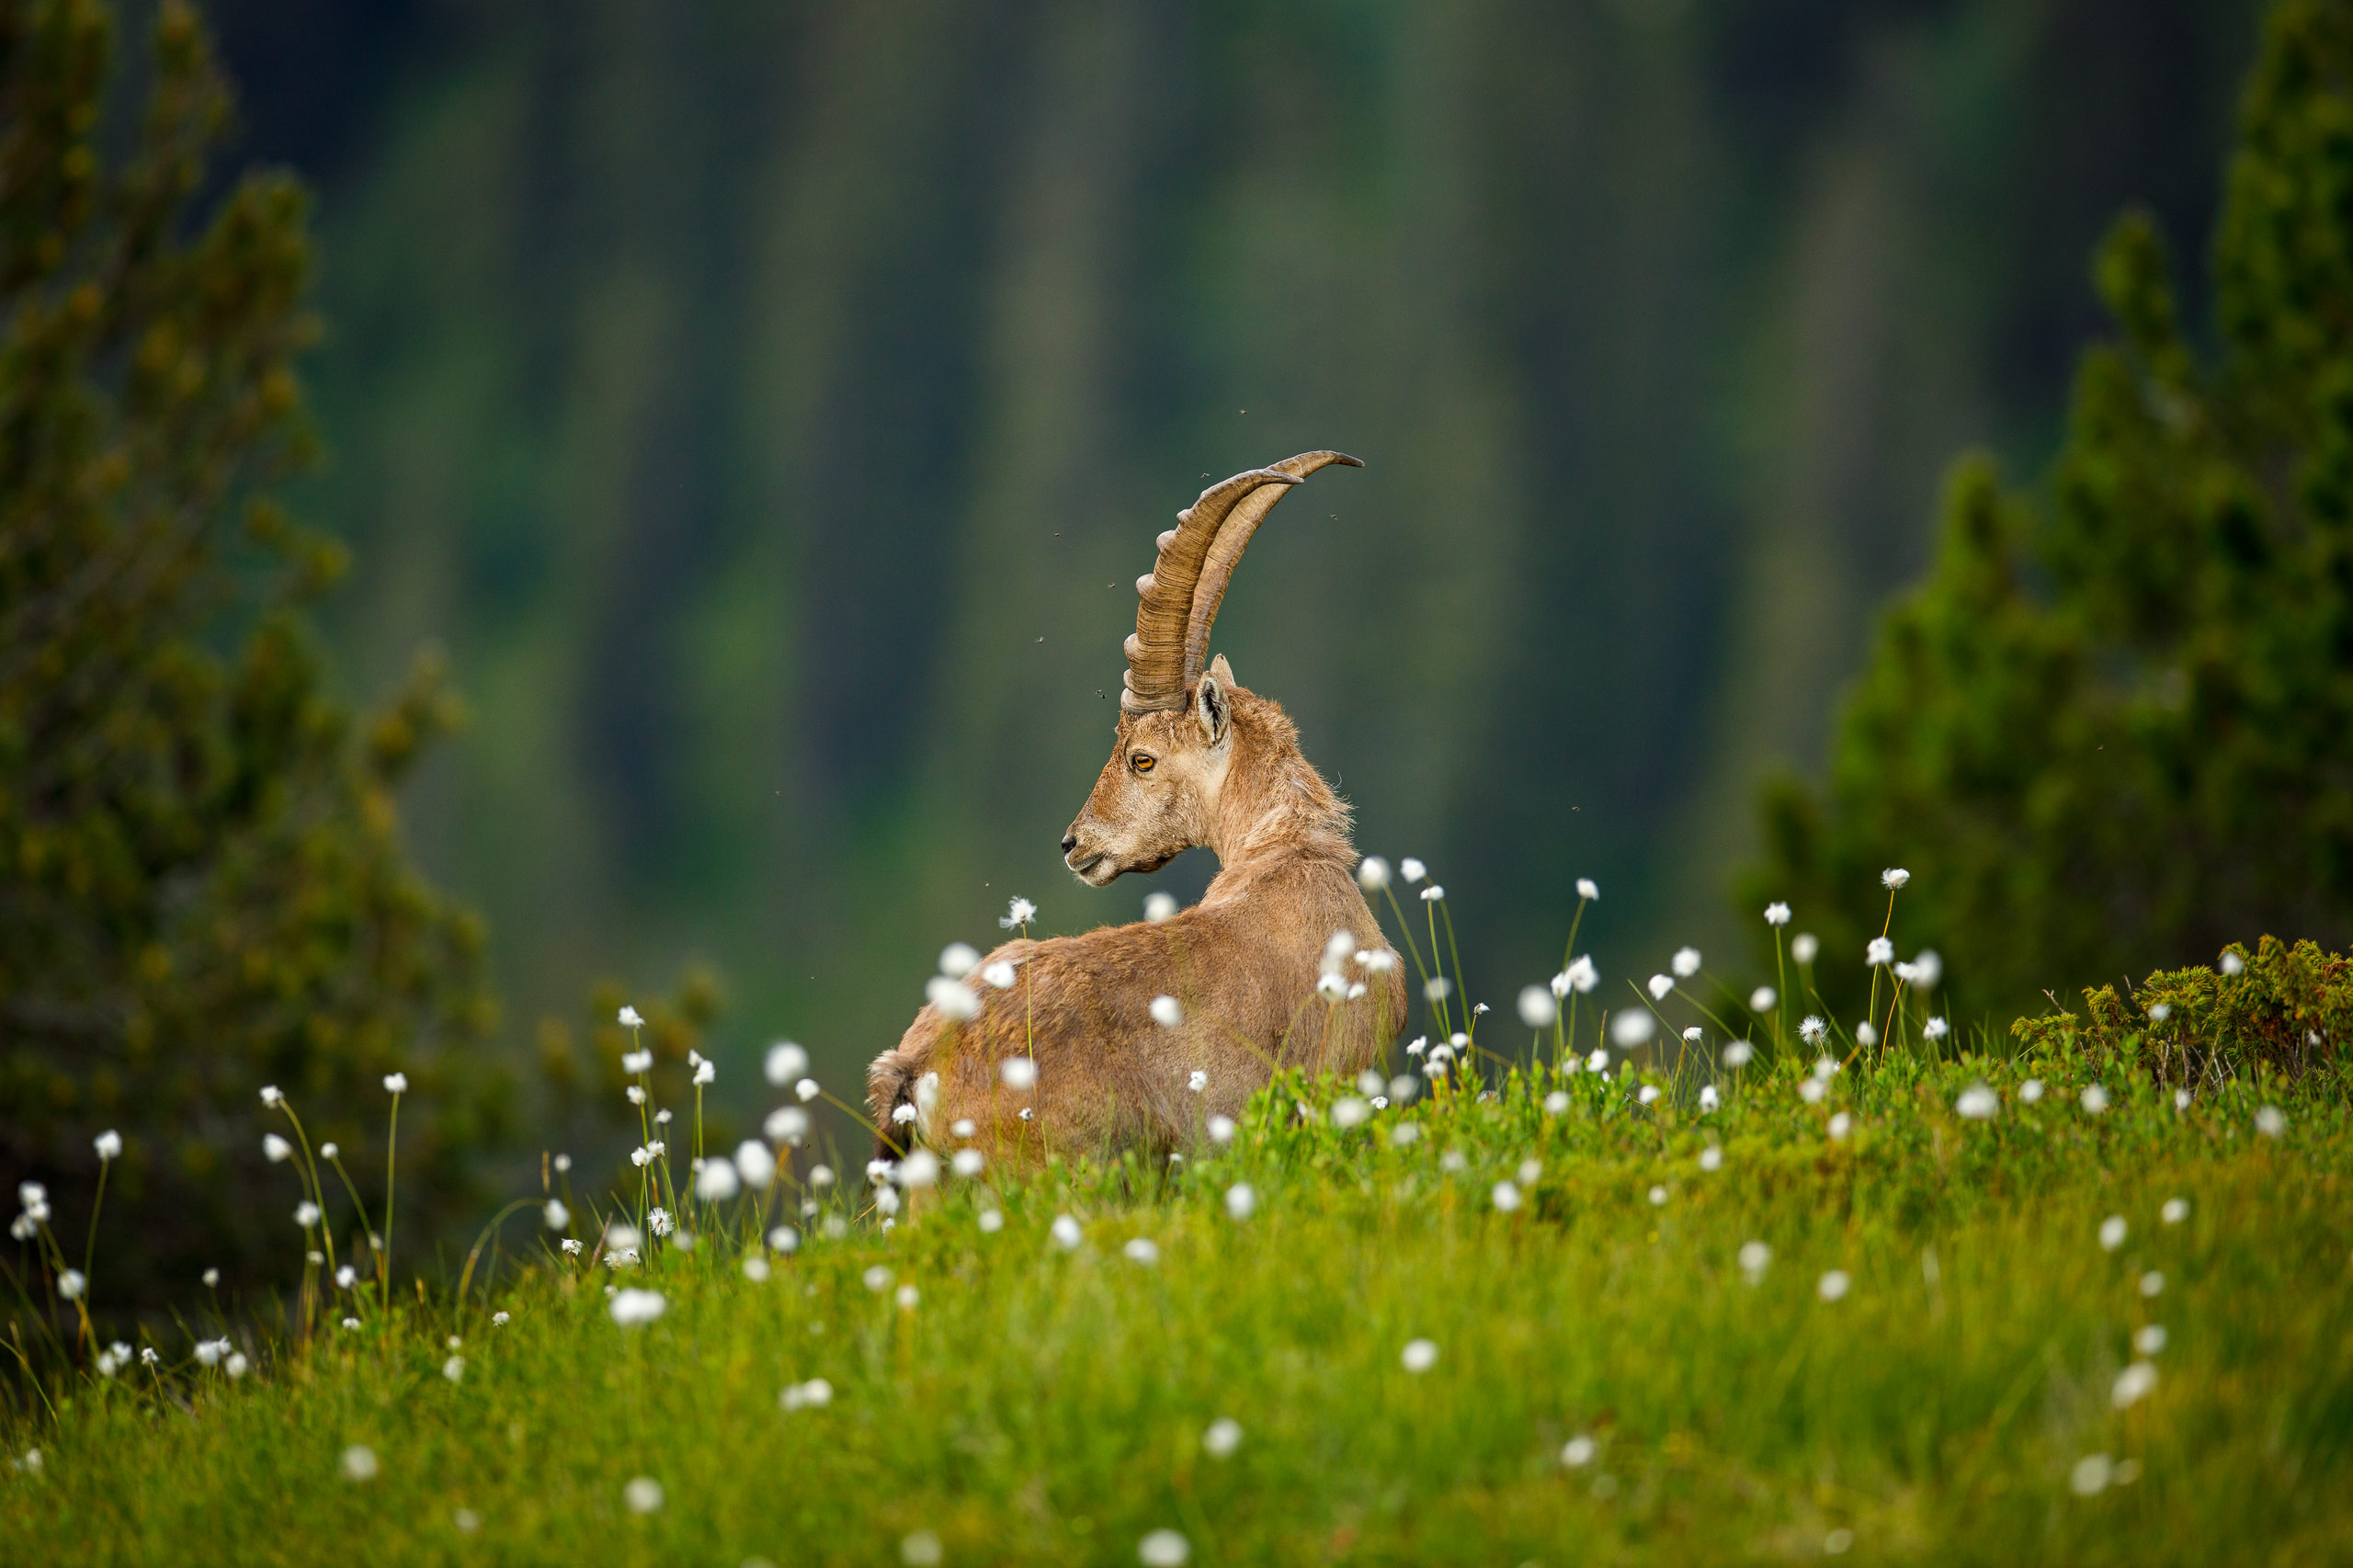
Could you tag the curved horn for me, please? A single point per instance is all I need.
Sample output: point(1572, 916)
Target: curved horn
point(1178, 600)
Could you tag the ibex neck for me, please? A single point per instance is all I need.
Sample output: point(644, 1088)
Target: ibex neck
point(1276, 811)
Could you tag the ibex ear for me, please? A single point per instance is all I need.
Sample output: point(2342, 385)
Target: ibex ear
point(1224, 673)
point(1213, 708)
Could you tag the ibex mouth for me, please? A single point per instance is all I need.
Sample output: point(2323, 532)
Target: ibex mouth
point(1084, 869)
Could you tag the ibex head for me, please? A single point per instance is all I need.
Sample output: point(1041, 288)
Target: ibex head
point(1158, 793)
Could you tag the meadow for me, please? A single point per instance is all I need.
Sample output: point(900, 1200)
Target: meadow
point(1576, 1286)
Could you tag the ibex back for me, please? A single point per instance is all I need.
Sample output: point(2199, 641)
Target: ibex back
point(1280, 964)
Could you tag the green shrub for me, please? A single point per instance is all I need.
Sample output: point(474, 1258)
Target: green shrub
point(2281, 1011)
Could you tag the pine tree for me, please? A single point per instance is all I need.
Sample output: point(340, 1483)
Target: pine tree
point(2113, 729)
point(202, 889)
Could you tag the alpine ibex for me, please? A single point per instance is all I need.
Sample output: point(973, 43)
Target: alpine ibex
point(1140, 1035)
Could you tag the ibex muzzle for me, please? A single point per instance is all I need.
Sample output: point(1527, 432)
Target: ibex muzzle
point(1198, 759)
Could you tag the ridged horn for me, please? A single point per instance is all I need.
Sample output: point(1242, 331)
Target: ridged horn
point(1178, 600)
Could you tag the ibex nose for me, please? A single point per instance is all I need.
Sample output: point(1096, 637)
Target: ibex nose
point(1069, 841)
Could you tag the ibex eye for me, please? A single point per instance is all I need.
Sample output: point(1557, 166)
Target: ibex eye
point(1140, 762)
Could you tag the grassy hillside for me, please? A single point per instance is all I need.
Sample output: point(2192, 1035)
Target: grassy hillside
point(1845, 1319)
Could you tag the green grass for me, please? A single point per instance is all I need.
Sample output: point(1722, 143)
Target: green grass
point(1037, 1404)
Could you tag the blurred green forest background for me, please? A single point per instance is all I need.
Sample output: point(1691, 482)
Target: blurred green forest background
point(770, 407)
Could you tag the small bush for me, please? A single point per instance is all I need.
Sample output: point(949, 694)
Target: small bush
point(2283, 1010)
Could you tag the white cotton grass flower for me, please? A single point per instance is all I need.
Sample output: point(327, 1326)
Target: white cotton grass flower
point(2112, 1231)
point(1577, 1452)
point(1804, 947)
point(1335, 987)
point(631, 1307)
point(1755, 1258)
point(1140, 1250)
point(1712, 1158)
point(2175, 1211)
point(1438, 988)
point(806, 1090)
point(1349, 1110)
point(1538, 1006)
point(1000, 975)
point(1019, 1073)
point(1419, 1356)
point(1159, 906)
point(1693, 1035)
point(1812, 1091)
point(2152, 1285)
point(1648, 1094)
point(1505, 1197)
point(1018, 912)
point(920, 1168)
point(1833, 1285)
point(903, 1115)
point(966, 1162)
point(1739, 1053)
point(278, 1149)
point(1588, 890)
point(1935, 1028)
point(1762, 999)
point(2149, 1339)
point(642, 1495)
point(1582, 976)
point(109, 1146)
point(1658, 1196)
point(72, 1283)
point(2160, 1011)
point(2133, 1384)
point(306, 1213)
point(1894, 876)
point(1777, 914)
point(756, 1162)
point(659, 1222)
point(958, 960)
point(1598, 1061)
point(358, 1463)
point(1557, 1102)
point(1223, 1436)
point(886, 1200)
point(1812, 1030)
point(2232, 963)
point(636, 1062)
point(1659, 986)
point(706, 1073)
point(1630, 1029)
point(1413, 871)
point(2091, 1475)
point(454, 1369)
point(270, 1095)
point(815, 1393)
point(1167, 1012)
point(1163, 1549)
point(1686, 962)
point(1879, 953)
point(396, 1083)
point(1066, 1232)
point(1241, 1200)
point(786, 1125)
point(1220, 1129)
point(1709, 1100)
point(345, 1278)
point(1978, 1103)
point(957, 1002)
point(635, 1094)
point(2272, 1121)
point(907, 1298)
point(1840, 1126)
point(784, 1238)
point(236, 1365)
point(1433, 894)
point(631, 1018)
point(2094, 1099)
point(2030, 1091)
point(1372, 873)
point(877, 1279)
point(785, 1062)
point(716, 1181)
